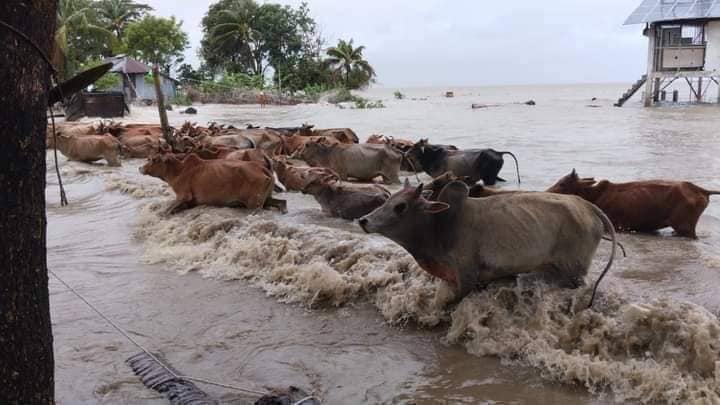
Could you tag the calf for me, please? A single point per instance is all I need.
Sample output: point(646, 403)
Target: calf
point(347, 201)
point(643, 206)
point(465, 241)
point(90, 148)
point(219, 182)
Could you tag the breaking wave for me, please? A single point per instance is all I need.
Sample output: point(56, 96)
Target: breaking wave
point(662, 350)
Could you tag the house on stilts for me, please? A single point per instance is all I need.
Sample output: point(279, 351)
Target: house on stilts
point(683, 62)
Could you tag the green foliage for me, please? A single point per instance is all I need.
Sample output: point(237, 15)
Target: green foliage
point(342, 95)
point(348, 63)
point(109, 81)
point(231, 81)
point(115, 15)
point(362, 103)
point(243, 36)
point(315, 91)
point(189, 75)
point(398, 95)
point(79, 36)
point(181, 99)
point(156, 40)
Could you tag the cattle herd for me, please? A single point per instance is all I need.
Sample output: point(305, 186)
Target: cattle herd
point(457, 227)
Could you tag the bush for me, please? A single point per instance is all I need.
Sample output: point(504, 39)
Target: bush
point(181, 98)
point(399, 95)
point(341, 96)
point(314, 91)
point(362, 104)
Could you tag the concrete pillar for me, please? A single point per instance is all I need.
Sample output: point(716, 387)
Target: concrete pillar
point(700, 90)
point(650, 66)
point(676, 96)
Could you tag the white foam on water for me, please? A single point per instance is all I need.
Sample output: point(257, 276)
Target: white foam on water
point(658, 351)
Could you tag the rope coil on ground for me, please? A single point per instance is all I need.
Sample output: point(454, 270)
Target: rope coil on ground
point(148, 353)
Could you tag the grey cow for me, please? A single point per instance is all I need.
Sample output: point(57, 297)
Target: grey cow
point(465, 240)
point(358, 161)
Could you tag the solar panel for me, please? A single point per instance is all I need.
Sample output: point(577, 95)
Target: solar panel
point(668, 10)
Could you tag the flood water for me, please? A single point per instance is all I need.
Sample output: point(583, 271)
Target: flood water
point(269, 300)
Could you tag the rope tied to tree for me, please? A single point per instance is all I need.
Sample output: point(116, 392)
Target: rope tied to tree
point(56, 82)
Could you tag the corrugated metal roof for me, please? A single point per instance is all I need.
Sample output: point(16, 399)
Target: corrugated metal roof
point(127, 65)
point(650, 11)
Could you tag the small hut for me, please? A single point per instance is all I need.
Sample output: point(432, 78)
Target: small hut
point(134, 83)
point(683, 48)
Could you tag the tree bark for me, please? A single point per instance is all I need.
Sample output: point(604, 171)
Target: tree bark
point(26, 351)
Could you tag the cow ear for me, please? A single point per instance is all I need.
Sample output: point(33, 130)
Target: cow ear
point(436, 207)
point(574, 173)
point(418, 191)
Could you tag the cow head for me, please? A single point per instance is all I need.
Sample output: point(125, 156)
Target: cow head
point(317, 182)
point(161, 165)
point(439, 183)
point(403, 215)
point(571, 184)
point(315, 152)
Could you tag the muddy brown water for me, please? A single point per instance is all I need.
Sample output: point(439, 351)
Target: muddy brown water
point(265, 300)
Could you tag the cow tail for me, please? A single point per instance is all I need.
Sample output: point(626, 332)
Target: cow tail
point(712, 192)
point(609, 228)
point(517, 167)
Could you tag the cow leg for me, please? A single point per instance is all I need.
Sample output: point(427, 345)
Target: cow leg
point(684, 221)
point(274, 202)
point(179, 205)
point(113, 159)
point(570, 276)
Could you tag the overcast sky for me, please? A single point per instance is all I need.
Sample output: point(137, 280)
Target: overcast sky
point(471, 42)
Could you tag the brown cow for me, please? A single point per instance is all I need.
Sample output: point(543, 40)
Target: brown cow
point(344, 135)
point(295, 143)
point(296, 178)
point(644, 206)
point(141, 146)
point(217, 182)
point(90, 148)
point(133, 130)
point(347, 201)
point(68, 129)
point(245, 155)
point(270, 141)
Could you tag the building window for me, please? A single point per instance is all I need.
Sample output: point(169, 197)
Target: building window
point(682, 35)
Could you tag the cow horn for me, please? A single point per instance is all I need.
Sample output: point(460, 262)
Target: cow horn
point(419, 190)
point(573, 173)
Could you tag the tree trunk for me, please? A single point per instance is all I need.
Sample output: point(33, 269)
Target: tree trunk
point(26, 347)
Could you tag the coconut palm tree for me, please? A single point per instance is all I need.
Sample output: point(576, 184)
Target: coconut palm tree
point(117, 14)
point(345, 59)
point(73, 17)
point(233, 30)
